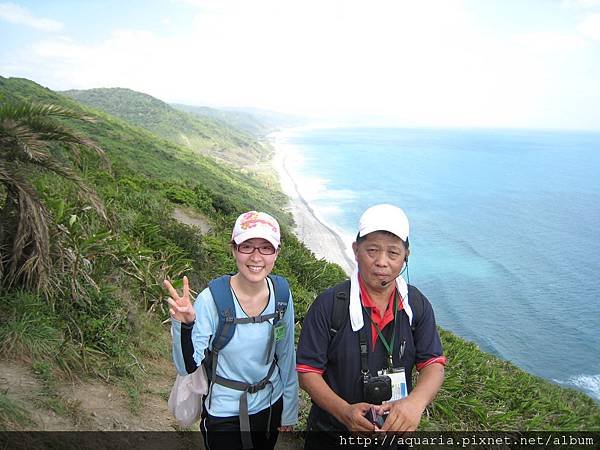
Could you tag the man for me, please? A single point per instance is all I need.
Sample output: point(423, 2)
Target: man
point(388, 327)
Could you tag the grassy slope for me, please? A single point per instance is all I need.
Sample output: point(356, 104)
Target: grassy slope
point(103, 331)
point(207, 135)
point(148, 177)
point(255, 122)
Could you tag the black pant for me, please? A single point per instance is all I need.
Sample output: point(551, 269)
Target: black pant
point(223, 433)
point(320, 435)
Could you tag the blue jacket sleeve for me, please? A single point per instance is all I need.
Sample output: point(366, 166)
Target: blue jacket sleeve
point(286, 360)
point(190, 340)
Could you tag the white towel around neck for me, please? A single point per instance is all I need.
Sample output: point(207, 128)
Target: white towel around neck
point(356, 316)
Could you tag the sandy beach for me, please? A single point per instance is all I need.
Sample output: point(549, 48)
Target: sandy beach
point(314, 232)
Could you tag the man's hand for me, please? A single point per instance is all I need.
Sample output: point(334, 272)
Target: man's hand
point(403, 415)
point(181, 308)
point(354, 418)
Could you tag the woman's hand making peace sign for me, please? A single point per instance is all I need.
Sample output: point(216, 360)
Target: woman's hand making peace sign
point(181, 308)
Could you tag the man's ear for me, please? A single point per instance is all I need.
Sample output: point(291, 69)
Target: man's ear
point(407, 253)
point(355, 249)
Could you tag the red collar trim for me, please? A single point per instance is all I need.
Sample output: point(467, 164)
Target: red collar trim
point(376, 318)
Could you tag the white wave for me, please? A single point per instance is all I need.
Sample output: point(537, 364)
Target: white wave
point(588, 383)
point(291, 159)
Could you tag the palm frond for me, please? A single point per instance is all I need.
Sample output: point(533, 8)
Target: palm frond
point(25, 110)
point(30, 134)
point(27, 261)
point(32, 127)
point(15, 136)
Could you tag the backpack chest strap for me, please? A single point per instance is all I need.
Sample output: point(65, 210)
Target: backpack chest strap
point(255, 319)
point(276, 316)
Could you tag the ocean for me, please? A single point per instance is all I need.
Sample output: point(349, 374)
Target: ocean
point(503, 235)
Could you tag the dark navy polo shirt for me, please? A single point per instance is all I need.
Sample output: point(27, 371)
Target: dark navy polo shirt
point(338, 358)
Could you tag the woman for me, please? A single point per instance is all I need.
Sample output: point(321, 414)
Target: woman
point(252, 387)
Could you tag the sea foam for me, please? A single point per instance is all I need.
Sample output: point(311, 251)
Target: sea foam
point(588, 383)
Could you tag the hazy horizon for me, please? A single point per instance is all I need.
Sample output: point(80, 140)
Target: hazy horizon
point(454, 63)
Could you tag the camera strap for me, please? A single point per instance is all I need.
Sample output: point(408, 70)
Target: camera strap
point(364, 353)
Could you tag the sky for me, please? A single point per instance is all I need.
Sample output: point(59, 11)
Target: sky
point(448, 63)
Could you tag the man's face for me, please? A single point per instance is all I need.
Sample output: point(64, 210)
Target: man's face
point(380, 257)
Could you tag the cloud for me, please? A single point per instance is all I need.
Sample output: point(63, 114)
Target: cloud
point(128, 58)
point(300, 58)
point(549, 42)
point(18, 15)
point(405, 62)
point(581, 3)
point(590, 27)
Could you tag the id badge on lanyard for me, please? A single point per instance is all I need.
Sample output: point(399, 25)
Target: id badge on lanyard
point(398, 377)
point(399, 387)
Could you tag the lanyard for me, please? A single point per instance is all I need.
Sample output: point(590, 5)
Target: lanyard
point(389, 347)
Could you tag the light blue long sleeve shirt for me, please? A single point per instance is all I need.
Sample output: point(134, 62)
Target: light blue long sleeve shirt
point(243, 358)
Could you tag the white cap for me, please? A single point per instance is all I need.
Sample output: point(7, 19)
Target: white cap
point(384, 218)
point(254, 224)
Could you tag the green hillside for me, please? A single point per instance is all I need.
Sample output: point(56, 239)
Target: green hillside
point(207, 135)
point(106, 300)
point(254, 121)
point(102, 314)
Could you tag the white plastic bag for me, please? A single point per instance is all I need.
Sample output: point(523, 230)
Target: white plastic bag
point(185, 401)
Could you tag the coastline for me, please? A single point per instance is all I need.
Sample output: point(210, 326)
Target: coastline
point(305, 192)
point(319, 237)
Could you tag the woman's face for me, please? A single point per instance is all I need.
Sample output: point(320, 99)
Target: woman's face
point(252, 262)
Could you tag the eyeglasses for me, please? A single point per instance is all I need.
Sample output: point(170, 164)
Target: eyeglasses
point(265, 249)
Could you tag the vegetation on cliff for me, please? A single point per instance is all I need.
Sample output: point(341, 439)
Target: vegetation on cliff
point(206, 134)
point(102, 310)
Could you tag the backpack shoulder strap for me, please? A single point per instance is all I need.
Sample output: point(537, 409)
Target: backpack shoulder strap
point(221, 294)
point(341, 304)
point(282, 296)
point(417, 306)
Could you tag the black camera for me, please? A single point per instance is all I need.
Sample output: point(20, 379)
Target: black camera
point(377, 389)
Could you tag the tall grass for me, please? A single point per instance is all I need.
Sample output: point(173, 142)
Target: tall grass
point(482, 392)
point(13, 416)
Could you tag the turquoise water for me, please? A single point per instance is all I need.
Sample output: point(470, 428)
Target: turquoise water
point(504, 230)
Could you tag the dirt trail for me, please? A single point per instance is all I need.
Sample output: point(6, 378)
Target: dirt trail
point(20, 386)
point(94, 405)
point(90, 405)
point(191, 218)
